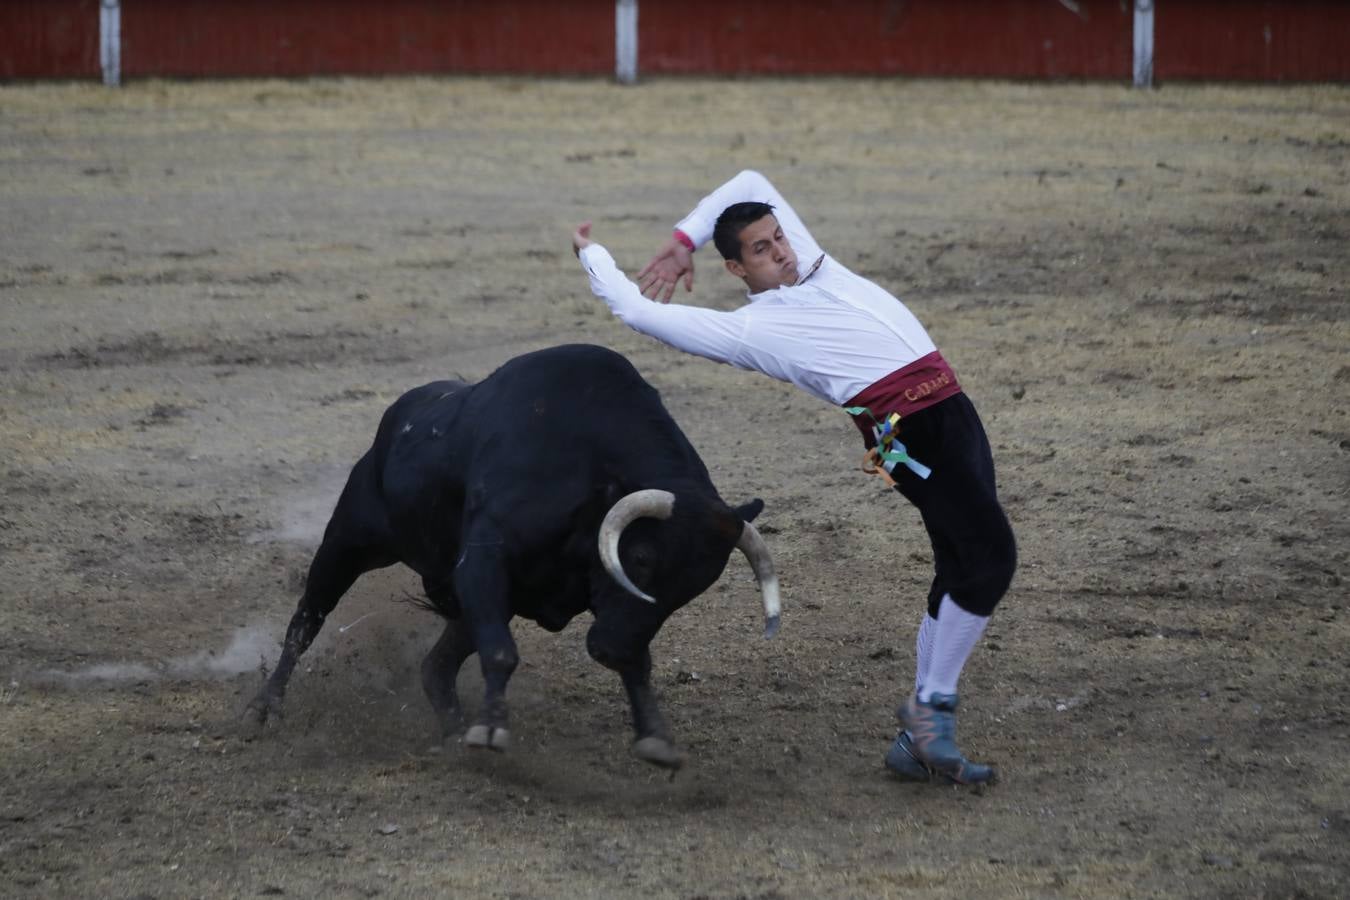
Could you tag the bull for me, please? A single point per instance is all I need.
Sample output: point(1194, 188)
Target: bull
point(557, 485)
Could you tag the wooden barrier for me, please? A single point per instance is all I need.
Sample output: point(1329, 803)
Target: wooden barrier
point(1214, 40)
point(297, 38)
point(1242, 40)
point(48, 39)
point(973, 38)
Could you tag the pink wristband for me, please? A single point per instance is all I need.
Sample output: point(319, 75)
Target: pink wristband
point(684, 239)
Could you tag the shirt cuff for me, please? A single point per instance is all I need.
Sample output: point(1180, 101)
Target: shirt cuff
point(685, 239)
point(586, 253)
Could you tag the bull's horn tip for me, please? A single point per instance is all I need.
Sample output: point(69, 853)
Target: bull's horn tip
point(771, 627)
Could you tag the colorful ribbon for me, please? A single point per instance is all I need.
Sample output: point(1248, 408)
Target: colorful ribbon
point(889, 450)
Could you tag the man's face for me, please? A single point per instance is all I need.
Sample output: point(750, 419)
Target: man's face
point(767, 261)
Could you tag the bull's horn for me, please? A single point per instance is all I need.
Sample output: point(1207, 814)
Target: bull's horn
point(650, 503)
point(757, 552)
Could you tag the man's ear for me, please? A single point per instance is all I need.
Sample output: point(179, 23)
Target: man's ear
point(735, 268)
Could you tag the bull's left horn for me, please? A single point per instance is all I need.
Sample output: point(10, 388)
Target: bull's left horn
point(650, 503)
point(757, 552)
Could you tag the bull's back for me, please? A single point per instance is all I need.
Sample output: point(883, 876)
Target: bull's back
point(583, 375)
point(587, 394)
point(414, 400)
point(552, 426)
point(549, 409)
point(418, 458)
point(528, 446)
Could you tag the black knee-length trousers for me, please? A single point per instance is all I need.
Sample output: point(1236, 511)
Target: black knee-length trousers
point(974, 552)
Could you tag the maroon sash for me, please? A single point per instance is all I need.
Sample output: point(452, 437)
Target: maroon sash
point(907, 390)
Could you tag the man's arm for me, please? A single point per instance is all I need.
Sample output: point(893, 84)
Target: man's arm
point(709, 333)
point(749, 186)
point(674, 261)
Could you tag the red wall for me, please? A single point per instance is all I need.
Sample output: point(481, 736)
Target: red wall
point(49, 39)
point(979, 38)
point(1239, 40)
point(1295, 40)
point(365, 37)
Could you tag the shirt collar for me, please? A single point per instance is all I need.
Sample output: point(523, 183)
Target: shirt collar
point(811, 271)
point(815, 267)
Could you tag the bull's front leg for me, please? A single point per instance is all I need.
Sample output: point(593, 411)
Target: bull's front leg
point(653, 743)
point(483, 587)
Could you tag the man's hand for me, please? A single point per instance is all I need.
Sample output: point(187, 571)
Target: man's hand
point(581, 238)
point(672, 262)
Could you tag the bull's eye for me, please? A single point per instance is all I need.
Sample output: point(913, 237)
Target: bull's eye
point(643, 561)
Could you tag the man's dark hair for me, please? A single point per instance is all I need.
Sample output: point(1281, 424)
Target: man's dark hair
point(727, 231)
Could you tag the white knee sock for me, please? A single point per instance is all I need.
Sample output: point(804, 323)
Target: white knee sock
point(954, 637)
point(923, 651)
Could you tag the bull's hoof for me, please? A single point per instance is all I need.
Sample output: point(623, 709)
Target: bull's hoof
point(659, 752)
point(486, 737)
point(254, 718)
point(450, 727)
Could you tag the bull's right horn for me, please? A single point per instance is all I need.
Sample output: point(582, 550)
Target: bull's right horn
point(650, 503)
point(757, 552)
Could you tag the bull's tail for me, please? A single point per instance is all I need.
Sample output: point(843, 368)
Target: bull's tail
point(445, 607)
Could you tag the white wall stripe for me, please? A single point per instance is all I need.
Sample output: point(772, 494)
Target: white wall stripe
point(625, 41)
point(1143, 43)
point(110, 41)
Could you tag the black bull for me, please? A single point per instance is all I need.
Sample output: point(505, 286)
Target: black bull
point(558, 484)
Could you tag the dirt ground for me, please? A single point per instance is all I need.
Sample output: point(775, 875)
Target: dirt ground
point(211, 291)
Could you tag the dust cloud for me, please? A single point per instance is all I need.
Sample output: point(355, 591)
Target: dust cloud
point(251, 647)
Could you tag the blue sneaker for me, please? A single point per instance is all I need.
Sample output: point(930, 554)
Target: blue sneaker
point(931, 728)
point(903, 761)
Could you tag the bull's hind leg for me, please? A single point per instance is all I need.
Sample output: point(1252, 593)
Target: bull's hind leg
point(482, 584)
point(335, 568)
point(440, 670)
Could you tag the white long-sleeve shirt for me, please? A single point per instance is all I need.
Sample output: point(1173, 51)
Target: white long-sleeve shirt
point(832, 334)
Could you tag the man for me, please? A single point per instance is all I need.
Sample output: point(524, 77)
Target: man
point(812, 322)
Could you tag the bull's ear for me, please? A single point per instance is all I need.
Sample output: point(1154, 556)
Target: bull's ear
point(611, 489)
point(748, 511)
point(609, 493)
